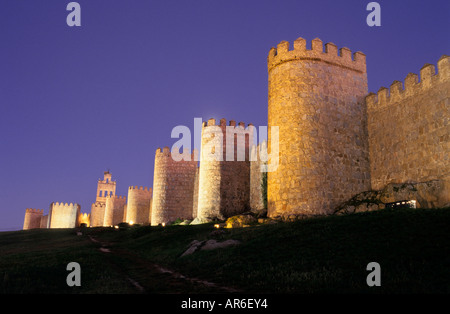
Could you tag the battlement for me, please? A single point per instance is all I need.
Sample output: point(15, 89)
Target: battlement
point(185, 155)
point(222, 142)
point(345, 58)
point(116, 197)
point(58, 204)
point(98, 205)
point(141, 188)
point(412, 85)
point(104, 181)
point(223, 123)
point(34, 211)
point(84, 216)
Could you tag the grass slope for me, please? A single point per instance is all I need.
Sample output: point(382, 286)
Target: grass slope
point(319, 255)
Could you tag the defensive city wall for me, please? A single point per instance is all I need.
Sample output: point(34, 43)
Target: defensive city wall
point(335, 141)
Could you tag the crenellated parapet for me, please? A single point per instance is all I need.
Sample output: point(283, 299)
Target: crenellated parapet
point(136, 188)
point(85, 218)
point(222, 142)
point(176, 155)
point(34, 211)
point(64, 205)
point(117, 197)
point(342, 57)
point(413, 85)
point(223, 123)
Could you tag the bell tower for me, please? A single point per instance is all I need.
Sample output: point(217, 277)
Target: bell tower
point(105, 187)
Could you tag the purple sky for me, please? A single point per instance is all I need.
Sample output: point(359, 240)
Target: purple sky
point(75, 101)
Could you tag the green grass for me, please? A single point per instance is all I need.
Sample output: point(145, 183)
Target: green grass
point(34, 261)
point(318, 255)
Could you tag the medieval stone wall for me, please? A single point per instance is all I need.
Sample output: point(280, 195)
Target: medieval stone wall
point(316, 98)
point(173, 185)
point(64, 215)
point(409, 130)
point(195, 200)
point(258, 178)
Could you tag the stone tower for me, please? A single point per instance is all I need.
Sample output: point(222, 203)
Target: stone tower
point(64, 215)
point(173, 185)
point(97, 214)
point(224, 174)
point(139, 205)
point(105, 187)
point(32, 218)
point(317, 99)
point(114, 210)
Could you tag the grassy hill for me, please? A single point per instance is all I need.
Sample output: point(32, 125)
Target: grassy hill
point(317, 255)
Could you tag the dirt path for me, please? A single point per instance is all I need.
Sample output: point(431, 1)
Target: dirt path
point(148, 277)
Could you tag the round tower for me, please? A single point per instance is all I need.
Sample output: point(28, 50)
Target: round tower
point(316, 98)
point(97, 214)
point(114, 210)
point(173, 186)
point(224, 174)
point(138, 205)
point(32, 218)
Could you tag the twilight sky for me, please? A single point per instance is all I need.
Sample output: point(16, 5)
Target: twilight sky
point(76, 101)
